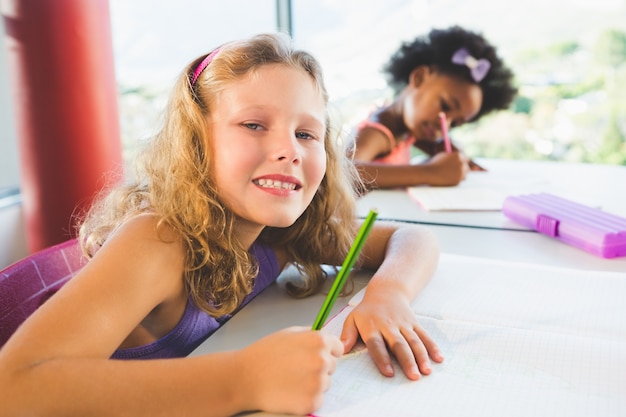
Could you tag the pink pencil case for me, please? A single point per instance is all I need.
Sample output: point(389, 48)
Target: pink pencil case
point(587, 228)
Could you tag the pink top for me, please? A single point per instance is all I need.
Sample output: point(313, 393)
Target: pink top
point(400, 151)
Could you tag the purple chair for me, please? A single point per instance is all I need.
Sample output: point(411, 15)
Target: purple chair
point(29, 282)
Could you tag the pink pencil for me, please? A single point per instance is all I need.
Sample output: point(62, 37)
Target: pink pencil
point(444, 131)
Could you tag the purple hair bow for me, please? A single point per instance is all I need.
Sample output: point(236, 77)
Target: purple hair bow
point(478, 67)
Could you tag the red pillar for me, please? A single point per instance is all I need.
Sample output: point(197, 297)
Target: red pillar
point(60, 56)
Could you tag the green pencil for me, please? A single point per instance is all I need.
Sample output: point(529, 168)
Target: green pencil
point(342, 276)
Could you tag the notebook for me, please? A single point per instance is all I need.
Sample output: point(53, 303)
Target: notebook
point(518, 340)
point(481, 190)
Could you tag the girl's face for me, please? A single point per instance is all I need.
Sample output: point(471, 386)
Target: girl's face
point(268, 144)
point(429, 93)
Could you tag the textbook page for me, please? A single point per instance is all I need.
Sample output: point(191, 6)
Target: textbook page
point(518, 340)
point(481, 190)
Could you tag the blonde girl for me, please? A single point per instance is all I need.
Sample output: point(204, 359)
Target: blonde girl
point(244, 178)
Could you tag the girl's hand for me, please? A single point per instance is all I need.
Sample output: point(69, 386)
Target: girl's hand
point(288, 371)
point(433, 147)
point(475, 167)
point(446, 169)
point(386, 324)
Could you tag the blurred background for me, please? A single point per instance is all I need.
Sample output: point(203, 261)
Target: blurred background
point(569, 58)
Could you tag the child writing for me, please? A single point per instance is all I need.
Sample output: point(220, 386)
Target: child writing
point(243, 179)
point(453, 71)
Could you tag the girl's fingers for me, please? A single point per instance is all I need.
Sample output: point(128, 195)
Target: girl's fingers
point(378, 351)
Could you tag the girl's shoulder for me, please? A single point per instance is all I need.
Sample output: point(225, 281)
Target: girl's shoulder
point(146, 234)
point(371, 124)
point(149, 251)
point(146, 224)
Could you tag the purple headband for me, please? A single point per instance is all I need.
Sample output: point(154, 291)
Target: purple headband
point(202, 65)
point(478, 67)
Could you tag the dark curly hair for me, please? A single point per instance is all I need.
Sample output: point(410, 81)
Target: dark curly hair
point(436, 49)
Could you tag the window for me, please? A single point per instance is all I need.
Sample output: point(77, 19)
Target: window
point(9, 166)
point(569, 57)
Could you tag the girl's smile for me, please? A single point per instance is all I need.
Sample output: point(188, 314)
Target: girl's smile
point(279, 183)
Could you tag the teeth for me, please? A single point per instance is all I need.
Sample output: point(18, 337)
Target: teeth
point(276, 184)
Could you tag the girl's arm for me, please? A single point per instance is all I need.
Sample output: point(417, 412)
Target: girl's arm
point(286, 372)
point(443, 169)
point(57, 363)
point(404, 258)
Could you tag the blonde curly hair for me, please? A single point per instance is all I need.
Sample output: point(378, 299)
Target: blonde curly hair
point(175, 182)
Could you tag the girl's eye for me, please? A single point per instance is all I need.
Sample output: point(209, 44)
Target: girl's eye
point(444, 106)
point(304, 135)
point(252, 126)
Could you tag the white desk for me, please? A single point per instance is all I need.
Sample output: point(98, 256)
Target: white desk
point(266, 313)
point(600, 186)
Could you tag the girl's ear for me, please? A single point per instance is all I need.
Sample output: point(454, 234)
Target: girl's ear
point(419, 75)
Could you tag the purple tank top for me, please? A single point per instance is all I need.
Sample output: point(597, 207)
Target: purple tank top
point(196, 325)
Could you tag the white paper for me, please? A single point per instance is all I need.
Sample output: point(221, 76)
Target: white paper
point(481, 190)
point(518, 340)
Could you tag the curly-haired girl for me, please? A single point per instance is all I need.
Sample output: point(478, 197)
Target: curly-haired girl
point(244, 178)
point(452, 71)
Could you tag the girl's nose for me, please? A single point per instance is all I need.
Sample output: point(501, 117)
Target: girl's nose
point(286, 148)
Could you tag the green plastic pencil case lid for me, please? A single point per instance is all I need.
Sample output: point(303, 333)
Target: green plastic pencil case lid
point(587, 228)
